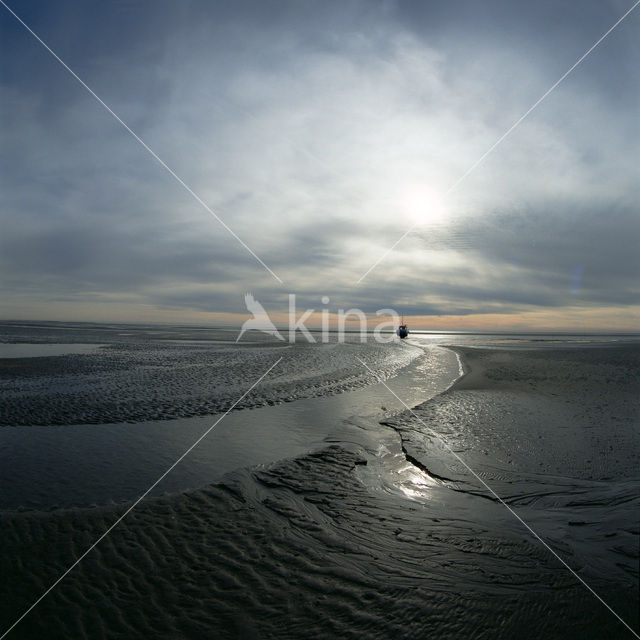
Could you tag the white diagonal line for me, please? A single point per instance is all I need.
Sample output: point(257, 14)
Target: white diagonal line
point(503, 136)
point(115, 524)
point(138, 139)
point(513, 513)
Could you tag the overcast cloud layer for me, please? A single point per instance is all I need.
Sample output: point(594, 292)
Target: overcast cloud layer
point(315, 130)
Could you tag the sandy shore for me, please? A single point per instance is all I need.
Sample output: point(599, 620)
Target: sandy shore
point(312, 547)
point(279, 555)
point(555, 411)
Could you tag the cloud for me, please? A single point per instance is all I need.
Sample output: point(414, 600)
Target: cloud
point(303, 129)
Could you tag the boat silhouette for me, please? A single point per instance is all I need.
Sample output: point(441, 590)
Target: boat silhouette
point(402, 331)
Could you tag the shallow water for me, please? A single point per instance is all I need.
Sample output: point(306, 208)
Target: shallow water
point(48, 467)
point(38, 350)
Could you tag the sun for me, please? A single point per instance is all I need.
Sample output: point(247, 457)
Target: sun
point(422, 204)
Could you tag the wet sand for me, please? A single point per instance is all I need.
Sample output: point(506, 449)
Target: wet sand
point(571, 411)
point(161, 380)
point(354, 540)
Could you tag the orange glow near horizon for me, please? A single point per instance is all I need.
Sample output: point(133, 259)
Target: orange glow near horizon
point(568, 319)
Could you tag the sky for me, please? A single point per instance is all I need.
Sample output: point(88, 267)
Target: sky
point(320, 133)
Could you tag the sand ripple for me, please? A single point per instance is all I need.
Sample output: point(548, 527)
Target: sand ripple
point(159, 381)
point(296, 549)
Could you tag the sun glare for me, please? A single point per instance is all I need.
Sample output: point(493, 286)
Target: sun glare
point(422, 204)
